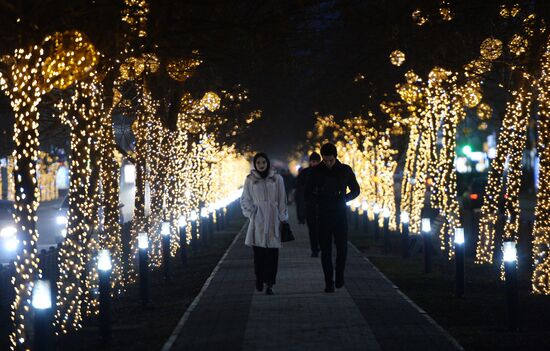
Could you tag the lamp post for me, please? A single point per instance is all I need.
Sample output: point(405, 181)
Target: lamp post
point(426, 237)
point(193, 217)
point(376, 210)
point(182, 224)
point(165, 233)
point(511, 278)
point(365, 207)
point(42, 305)
point(143, 246)
point(459, 260)
point(104, 267)
point(386, 213)
point(405, 234)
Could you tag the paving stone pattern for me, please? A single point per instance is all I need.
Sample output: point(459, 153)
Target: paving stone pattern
point(369, 313)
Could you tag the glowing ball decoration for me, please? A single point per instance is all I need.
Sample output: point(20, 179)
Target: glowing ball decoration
point(182, 69)
point(72, 56)
point(419, 18)
point(446, 13)
point(491, 49)
point(211, 101)
point(397, 58)
point(438, 75)
point(484, 111)
point(518, 45)
point(471, 95)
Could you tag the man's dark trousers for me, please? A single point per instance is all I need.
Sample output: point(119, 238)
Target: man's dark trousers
point(333, 227)
point(313, 227)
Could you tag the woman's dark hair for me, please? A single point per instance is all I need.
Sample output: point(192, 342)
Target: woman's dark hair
point(263, 174)
point(314, 156)
point(329, 150)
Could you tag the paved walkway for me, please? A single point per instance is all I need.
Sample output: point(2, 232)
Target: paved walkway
point(369, 313)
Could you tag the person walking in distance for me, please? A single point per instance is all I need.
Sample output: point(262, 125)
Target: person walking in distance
point(263, 202)
point(328, 188)
point(307, 211)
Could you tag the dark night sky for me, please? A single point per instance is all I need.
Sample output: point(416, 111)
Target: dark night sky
point(295, 57)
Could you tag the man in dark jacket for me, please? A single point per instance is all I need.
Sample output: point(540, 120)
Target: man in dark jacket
point(307, 212)
point(327, 188)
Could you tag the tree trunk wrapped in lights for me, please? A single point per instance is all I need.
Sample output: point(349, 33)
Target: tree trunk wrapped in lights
point(20, 84)
point(541, 232)
point(512, 140)
point(62, 59)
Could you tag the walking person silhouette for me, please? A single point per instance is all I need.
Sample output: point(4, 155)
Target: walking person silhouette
point(307, 211)
point(327, 188)
point(264, 203)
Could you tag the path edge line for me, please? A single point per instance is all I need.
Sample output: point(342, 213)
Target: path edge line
point(411, 302)
point(179, 327)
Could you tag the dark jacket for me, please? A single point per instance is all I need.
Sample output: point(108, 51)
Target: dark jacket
point(301, 204)
point(327, 188)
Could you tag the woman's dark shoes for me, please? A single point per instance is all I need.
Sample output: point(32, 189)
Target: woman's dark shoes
point(259, 286)
point(269, 290)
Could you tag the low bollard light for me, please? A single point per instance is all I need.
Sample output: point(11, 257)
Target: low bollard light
point(404, 216)
point(182, 224)
point(511, 278)
point(459, 260)
point(426, 238)
point(104, 267)
point(204, 226)
point(41, 301)
point(165, 233)
point(193, 217)
point(211, 210)
point(376, 210)
point(386, 213)
point(365, 208)
point(143, 246)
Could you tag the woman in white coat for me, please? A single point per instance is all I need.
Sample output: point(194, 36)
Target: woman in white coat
point(264, 203)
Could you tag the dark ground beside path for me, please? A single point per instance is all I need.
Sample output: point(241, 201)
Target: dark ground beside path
point(136, 328)
point(479, 320)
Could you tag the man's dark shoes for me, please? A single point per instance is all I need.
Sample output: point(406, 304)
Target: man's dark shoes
point(269, 290)
point(339, 280)
point(329, 288)
point(259, 285)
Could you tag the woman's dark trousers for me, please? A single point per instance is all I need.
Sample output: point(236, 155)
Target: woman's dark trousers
point(266, 261)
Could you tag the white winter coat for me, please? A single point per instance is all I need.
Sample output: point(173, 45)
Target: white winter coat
point(264, 203)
